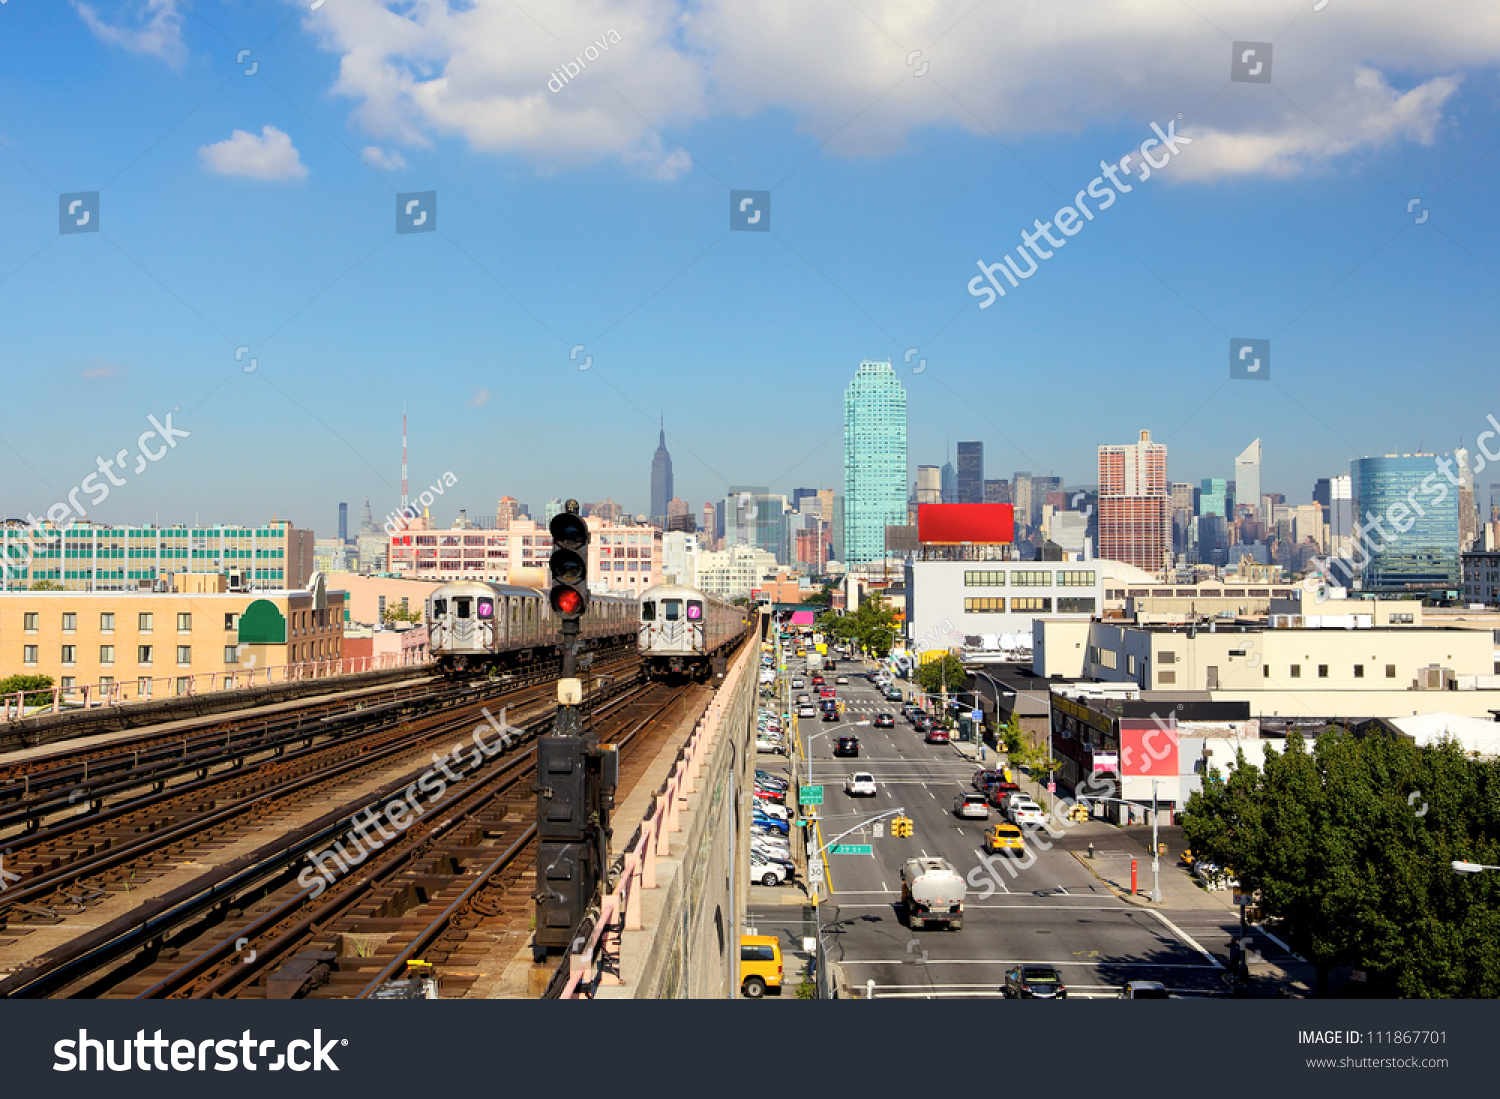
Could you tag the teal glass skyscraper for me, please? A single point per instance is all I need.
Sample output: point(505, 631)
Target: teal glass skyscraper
point(874, 460)
point(1414, 500)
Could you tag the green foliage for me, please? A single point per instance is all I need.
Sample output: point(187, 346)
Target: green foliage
point(872, 627)
point(740, 601)
point(935, 674)
point(806, 989)
point(46, 585)
point(398, 613)
point(13, 683)
point(1351, 841)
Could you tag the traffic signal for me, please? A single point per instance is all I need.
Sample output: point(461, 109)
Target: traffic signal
point(901, 827)
point(569, 564)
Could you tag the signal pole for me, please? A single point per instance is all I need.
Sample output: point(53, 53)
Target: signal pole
point(576, 775)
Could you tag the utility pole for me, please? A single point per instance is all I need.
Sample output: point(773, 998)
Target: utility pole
point(1156, 852)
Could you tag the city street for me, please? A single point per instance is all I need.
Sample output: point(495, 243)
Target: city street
point(1050, 910)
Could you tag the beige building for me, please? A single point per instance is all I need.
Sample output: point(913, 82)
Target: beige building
point(1343, 673)
point(1150, 604)
point(124, 646)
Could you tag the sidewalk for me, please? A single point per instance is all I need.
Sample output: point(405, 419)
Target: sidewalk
point(1114, 848)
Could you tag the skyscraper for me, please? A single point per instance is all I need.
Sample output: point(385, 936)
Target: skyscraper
point(997, 492)
point(1422, 554)
point(661, 480)
point(1020, 493)
point(929, 485)
point(344, 524)
point(1213, 498)
point(971, 472)
point(1135, 523)
point(1247, 479)
point(874, 460)
point(949, 483)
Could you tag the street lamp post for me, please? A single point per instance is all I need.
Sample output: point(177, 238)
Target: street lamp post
point(1471, 867)
point(1156, 854)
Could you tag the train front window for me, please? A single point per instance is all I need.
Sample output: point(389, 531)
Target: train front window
point(439, 608)
point(486, 608)
point(461, 608)
point(695, 610)
point(648, 612)
point(671, 609)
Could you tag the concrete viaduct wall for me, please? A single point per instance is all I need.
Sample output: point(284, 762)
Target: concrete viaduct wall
point(687, 944)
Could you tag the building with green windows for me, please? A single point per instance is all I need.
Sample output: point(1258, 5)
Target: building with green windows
point(92, 557)
point(874, 460)
point(1406, 506)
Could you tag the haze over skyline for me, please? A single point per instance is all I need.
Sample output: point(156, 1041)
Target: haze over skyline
point(256, 210)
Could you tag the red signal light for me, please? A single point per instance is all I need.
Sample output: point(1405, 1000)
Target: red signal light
point(567, 601)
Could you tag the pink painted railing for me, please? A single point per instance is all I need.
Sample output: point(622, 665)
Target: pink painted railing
point(56, 699)
point(652, 840)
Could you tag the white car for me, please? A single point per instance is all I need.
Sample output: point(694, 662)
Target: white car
point(808, 710)
point(767, 873)
point(798, 684)
point(860, 784)
point(771, 809)
point(842, 680)
point(1026, 812)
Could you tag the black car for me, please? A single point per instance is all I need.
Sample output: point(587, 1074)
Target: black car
point(846, 746)
point(1034, 982)
point(884, 721)
point(830, 715)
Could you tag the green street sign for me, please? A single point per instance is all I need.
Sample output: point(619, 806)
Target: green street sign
point(852, 849)
point(810, 795)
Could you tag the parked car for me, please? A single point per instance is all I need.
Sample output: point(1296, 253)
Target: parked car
point(846, 746)
point(1034, 982)
point(999, 791)
point(884, 721)
point(772, 809)
point(767, 873)
point(760, 965)
point(1144, 990)
point(769, 793)
point(1004, 837)
point(936, 734)
point(771, 778)
point(971, 806)
point(860, 784)
point(774, 823)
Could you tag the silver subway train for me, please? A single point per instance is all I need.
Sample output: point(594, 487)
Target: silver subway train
point(685, 633)
point(475, 624)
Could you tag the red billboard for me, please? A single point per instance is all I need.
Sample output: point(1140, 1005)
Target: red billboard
point(1148, 747)
point(949, 524)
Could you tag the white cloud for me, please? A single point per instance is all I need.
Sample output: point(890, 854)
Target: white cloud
point(480, 399)
point(489, 74)
point(158, 29)
point(376, 157)
point(270, 156)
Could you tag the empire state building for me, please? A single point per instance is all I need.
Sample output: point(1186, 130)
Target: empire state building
point(661, 481)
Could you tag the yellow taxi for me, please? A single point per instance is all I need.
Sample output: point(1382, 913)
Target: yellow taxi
point(1004, 837)
point(760, 965)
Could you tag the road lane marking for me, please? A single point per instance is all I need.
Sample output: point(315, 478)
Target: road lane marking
point(1102, 962)
point(1281, 944)
point(1013, 907)
point(1185, 937)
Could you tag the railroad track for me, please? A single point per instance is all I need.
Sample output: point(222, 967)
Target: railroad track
point(268, 925)
point(80, 862)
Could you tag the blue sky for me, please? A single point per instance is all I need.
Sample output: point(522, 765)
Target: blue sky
point(598, 215)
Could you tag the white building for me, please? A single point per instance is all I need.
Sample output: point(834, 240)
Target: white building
point(734, 571)
point(976, 598)
point(679, 558)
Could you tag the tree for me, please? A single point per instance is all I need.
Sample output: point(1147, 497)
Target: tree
point(401, 613)
point(13, 683)
point(46, 585)
point(947, 670)
point(740, 601)
point(1350, 843)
